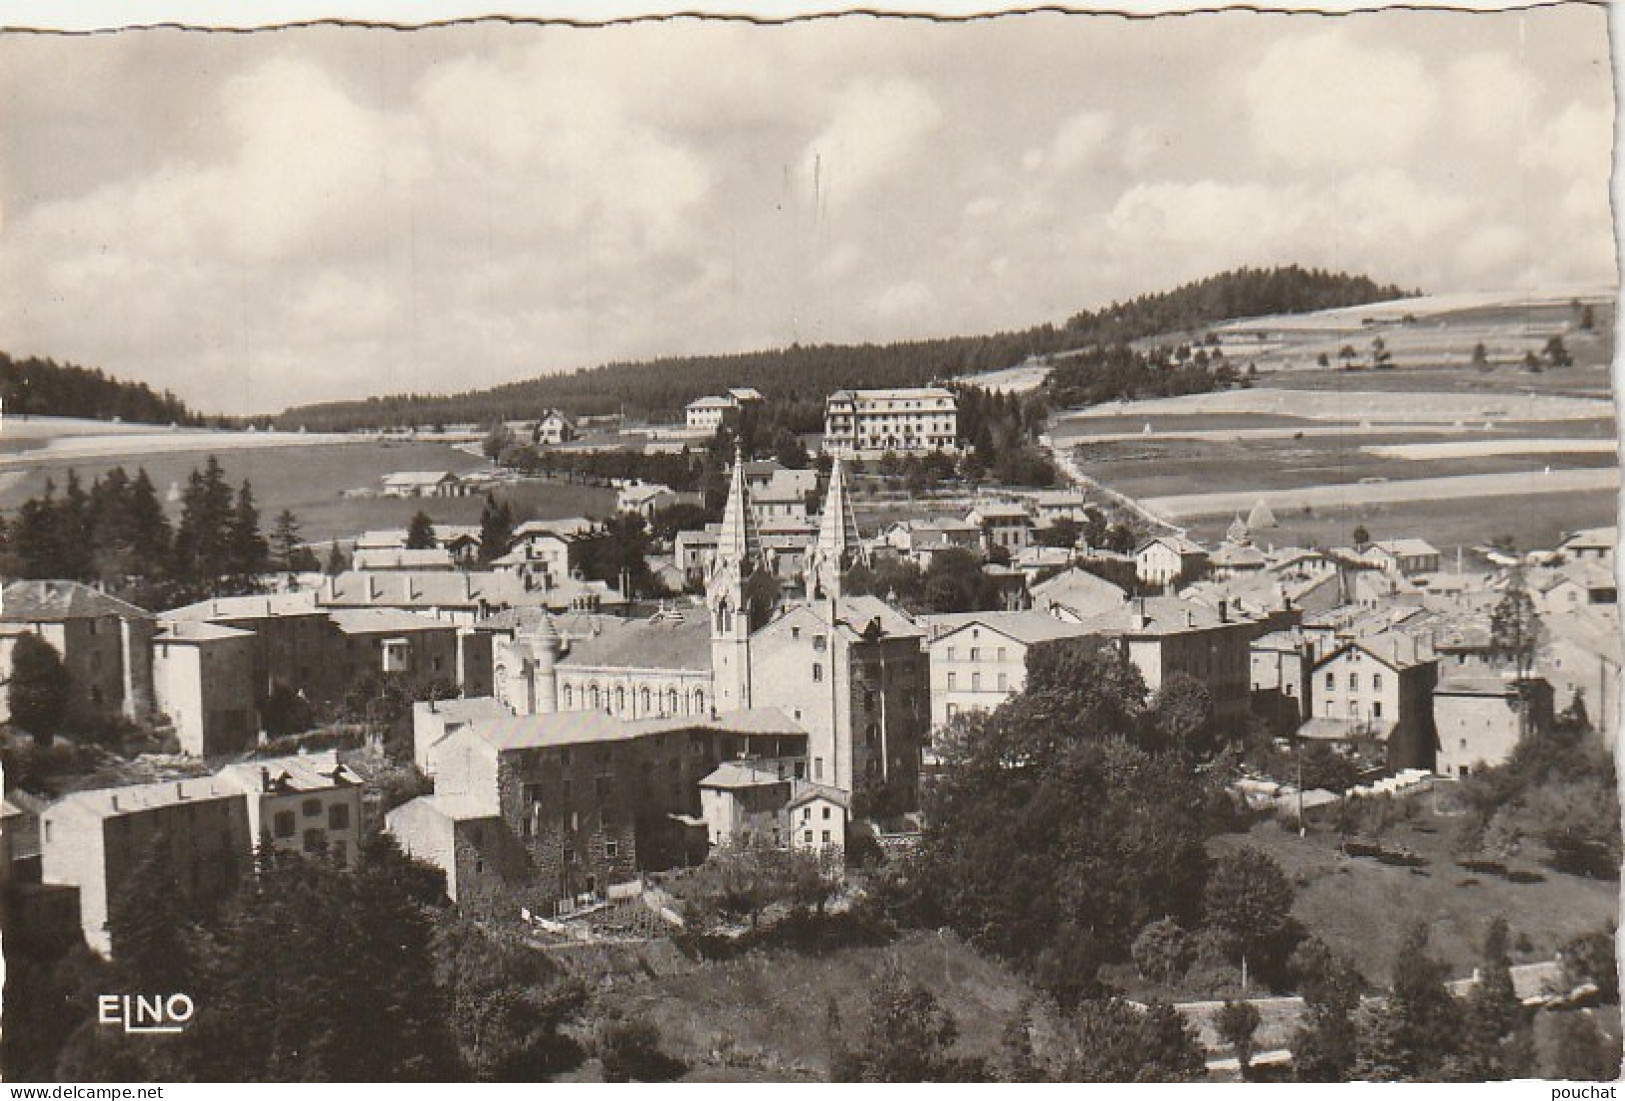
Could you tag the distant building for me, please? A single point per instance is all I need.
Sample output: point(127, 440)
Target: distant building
point(554, 428)
point(427, 558)
point(309, 804)
point(1479, 716)
point(422, 483)
point(104, 643)
point(869, 423)
point(921, 540)
point(1076, 594)
point(817, 818)
point(645, 499)
point(1590, 544)
point(744, 802)
point(979, 659)
point(1169, 561)
point(540, 809)
point(1407, 556)
point(1377, 689)
point(1005, 526)
point(194, 832)
point(203, 682)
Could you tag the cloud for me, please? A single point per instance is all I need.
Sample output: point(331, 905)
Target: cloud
point(1325, 100)
point(876, 129)
point(1079, 141)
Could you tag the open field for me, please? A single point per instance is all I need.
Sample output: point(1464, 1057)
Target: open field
point(24, 440)
point(1532, 522)
point(1587, 381)
point(309, 480)
point(1361, 907)
point(769, 1006)
point(1356, 403)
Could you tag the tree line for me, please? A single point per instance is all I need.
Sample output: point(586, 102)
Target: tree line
point(798, 377)
point(117, 535)
point(44, 387)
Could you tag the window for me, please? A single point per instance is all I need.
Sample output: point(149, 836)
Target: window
point(338, 816)
point(311, 807)
point(976, 653)
point(1376, 709)
point(645, 700)
point(315, 842)
point(620, 699)
point(612, 849)
point(795, 632)
point(818, 768)
point(826, 837)
point(1354, 682)
point(1004, 682)
point(976, 682)
point(950, 653)
point(826, 814)
point(1376, 682)
point(1001, 653)
point(953, 709)
point(951, 678)
point(818, 673)
point(1331, 682)
point(284, 823)
point(818, 643)
point(569, 697)
point(806, 813)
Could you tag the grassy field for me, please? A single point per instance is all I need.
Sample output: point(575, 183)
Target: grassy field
point(768, 1008)
point(310, 481)
point(1589, 381)
point(1532, 522)
point(1361, 907)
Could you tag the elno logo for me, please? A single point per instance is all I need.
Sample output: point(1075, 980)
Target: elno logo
point(145, 1013)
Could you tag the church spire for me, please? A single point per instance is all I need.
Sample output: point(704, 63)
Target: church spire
point(739, 545)
point(838, 541)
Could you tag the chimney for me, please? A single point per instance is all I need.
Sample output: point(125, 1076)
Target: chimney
point(115, 802)
point(331, 584)
point(180, 789)
point(468, 586)
point(1224, 611)
point(372, 587)
point(1190, 617)
point(265, 778)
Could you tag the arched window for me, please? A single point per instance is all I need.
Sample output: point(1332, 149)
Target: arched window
point(645, 700)
point(620, 699)
point(671, 701)
point(569, 697)
point(592, 697)
point(699, 702)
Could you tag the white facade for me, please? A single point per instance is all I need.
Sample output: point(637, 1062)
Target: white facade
point(872, 422)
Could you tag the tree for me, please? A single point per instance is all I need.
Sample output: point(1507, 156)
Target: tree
point(1556, 353)
point(1237, 1023)
point(1414, 1033)
point(629, 1049)
point(1496, 1042)
point(907, 1036)
point(497, 440)
point(1590, 957)
point(203, 539)
point(38, 691)
point(1249, 897)
point(507, 1005)
point(1580, 1051)
point(1162, 951)
point(496, 529)
point(285, 540)
point(1323, 1049)
point(285, 712)
point(1481, 356)
point(1113, 1041)
point(1515, 634)
point(1381, 357)
point(1362, 537)
point(420, 532)
point(1182, 714)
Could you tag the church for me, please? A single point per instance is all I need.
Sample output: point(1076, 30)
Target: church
point(850, 670)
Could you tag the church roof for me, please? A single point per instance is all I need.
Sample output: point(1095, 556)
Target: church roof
point(738, 542)
point(664, 642)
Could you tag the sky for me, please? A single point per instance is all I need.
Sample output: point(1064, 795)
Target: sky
point(261, 220)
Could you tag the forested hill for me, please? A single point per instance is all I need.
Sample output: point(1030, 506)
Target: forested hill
point(660, 388)
point(44, 387)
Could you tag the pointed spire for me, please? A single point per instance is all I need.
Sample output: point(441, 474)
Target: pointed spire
point(738, 543)
point(838, 542)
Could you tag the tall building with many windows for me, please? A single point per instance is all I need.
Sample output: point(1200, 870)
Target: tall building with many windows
point(872, 422)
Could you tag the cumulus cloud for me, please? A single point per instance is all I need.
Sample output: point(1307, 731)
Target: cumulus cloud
point(876, 129)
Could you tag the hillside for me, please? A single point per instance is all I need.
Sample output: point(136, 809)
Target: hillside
point(43, 387)
point(800, 376)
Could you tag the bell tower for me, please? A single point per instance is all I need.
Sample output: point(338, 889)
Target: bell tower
point(739, 555)
point(838, 544)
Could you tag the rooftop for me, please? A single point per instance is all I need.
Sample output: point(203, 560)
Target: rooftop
point(735, 775)
point(286, 775)
point(1023, 627)
point(180, 631)
point(675, 640)
point(374, 621)
point(562, 728)
point(55, 601)
point(133, 798)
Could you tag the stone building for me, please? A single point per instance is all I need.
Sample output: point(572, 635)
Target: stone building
point(105, 643)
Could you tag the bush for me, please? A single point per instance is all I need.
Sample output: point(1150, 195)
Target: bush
point(629, 1049)
point(1162, 951)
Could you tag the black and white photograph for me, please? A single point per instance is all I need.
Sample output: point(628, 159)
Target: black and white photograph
point(1006, 547)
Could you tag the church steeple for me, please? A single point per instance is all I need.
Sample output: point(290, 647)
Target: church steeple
point(838, 542)
point(738, 555)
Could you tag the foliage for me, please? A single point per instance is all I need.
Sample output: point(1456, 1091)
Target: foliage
point(630, 1051)
point(1411, 1036)
point(1324, 1048)
point(496, 529)
point(1324, 767)
point(285, 712)
point(621, 546)
point(506, 1004)
point(1237, 1023)
point(420, 532)
point(1182, 713)
point(1249, 897)
point(37, 693)
point(907, 1037)
point(738, 882)
point(1047, 815)
point(1162, 951)
point(1581, 1051)
point(1110, 1040)
point(1591, 957)
point(43, 387)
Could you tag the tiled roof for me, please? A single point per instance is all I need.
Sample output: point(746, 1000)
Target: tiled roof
point(229, 608)
point(743, 774)
point(105, 802)
point(373, 621)
point(55, 601)
point(668, 642)
point(560, 728)
point(302, 772)
point(181, 631)
point(1024, 627)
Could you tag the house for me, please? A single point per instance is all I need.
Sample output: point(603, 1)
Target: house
point(105, 644)
point(908, 421)
point(1230, 559)
point(770, 475)
point(203, 683)
point(433, 720)
point(1005, 526)
point(979, 659)
point(535, 810)
point(644, 498)
point(1164, 635)
point(192, 832)
point(463, 596)
point(817, 819)
point(1573, 586)
point(1580, 656)
point(1378, 689)
point(1168, 561)
point(422, 483)
point(745, 802)
point(920, 540)
point(693, 551)
point(388, 642)
point(1076, 595)
point(309, 804)
point(1480, 715)
point(1590, 544)
point(710, 413)
point(1406, 556)
point(1050, 505)
point(555, 427)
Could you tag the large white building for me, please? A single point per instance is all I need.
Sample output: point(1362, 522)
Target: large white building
point(872, 422)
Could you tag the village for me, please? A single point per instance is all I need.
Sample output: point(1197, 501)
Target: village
point(568, 750)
